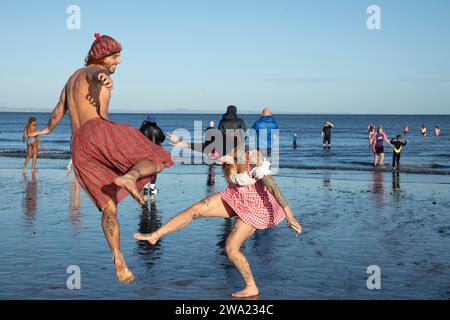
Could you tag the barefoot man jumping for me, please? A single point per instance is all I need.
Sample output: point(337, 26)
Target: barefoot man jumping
point(110, 160)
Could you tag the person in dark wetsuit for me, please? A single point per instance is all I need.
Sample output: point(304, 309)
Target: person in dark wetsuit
point(397, 145)
point(294, 140)
point(326, 134)
point(377, 140)
point(154, 133)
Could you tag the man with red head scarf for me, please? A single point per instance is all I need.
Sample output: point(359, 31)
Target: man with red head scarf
point(110, 160)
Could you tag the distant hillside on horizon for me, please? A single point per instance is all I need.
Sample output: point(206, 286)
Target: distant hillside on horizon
point(170, 111)
point(200, 111)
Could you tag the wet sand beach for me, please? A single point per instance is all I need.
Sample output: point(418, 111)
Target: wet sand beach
point(351, 220)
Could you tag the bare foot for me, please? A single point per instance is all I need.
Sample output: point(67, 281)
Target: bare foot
point(130, 185)
point(122, 272)
point(249, 291)
point(150, 237)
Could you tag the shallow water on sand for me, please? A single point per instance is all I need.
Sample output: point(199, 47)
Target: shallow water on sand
point(351, 220)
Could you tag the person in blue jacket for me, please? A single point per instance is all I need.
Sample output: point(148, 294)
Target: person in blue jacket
point(266, 123)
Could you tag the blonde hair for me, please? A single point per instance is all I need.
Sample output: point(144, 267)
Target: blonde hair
point(31, 122)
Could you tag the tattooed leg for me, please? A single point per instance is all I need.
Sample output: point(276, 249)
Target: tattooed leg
point(111, 230)
point(210, 207)
point(140, 170)
point(237, 237)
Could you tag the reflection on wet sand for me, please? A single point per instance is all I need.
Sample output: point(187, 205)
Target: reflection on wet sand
point(378, 187)
point(74, 205)
point(149, 222)
point(326, 181)
point(29, 203)
point(211, 179)
point(377, 181)
point(396, 183)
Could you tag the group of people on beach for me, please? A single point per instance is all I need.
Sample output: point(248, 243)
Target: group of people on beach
point(377, 139)
point(111, 160)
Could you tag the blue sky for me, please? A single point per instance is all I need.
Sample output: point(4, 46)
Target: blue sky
point(294, 56)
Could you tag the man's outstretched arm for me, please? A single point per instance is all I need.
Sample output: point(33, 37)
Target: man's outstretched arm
point(56, 116)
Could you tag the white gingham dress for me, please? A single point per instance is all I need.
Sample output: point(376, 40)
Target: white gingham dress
point(254, 204)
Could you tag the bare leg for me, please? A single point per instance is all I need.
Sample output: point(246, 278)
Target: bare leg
point(35, 152)
point(381, 159)
point(111, 229)
point(29, 152)
point(212, 206)
point(140, 170)
point(237, 237)
point(375, 157)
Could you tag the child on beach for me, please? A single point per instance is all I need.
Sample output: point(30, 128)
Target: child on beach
point(371, 131)
point(33, 143)
point(397, 145)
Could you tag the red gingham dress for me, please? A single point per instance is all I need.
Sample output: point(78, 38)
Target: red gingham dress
point(102, 150)
point(254, 204)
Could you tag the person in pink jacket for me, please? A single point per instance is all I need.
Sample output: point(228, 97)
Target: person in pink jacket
point(377, 141)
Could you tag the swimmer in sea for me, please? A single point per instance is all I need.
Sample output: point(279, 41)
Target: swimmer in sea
point(423, 131)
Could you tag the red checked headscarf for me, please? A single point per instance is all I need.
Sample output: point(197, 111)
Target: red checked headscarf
point(103, 47)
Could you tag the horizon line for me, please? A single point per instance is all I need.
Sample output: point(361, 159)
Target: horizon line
point(250, 113)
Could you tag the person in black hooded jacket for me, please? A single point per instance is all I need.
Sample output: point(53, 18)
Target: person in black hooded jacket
point(154, 133)
point(150, 129)
point(230, 121)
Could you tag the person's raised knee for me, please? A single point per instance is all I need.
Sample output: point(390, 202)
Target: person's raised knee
point(231, 250)
point(109, 209)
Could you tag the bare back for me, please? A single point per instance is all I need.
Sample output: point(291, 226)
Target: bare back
point(85, 98)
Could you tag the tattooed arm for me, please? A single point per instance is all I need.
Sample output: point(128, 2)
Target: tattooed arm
point(56, 116)
point(272, 186)
point(256, 160)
